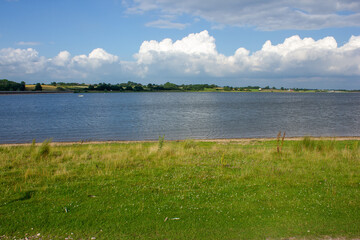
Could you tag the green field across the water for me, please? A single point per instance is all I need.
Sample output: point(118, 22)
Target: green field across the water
point(307, 189)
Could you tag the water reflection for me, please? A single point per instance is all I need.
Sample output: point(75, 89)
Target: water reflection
point(141, 116)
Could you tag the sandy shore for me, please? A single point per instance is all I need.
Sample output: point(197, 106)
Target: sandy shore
point(225, 140)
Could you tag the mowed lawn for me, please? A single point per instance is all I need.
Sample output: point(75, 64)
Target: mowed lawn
point(310, 189)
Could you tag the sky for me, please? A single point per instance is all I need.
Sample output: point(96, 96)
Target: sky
point(281, 43)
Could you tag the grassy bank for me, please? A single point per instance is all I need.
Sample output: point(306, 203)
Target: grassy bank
point(181, 190)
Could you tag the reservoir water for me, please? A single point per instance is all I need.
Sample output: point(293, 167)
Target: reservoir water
point(177, 115)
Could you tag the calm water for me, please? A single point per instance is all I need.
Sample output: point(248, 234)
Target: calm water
point(142, 116)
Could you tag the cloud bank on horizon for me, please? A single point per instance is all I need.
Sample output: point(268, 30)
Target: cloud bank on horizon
point(194, 57)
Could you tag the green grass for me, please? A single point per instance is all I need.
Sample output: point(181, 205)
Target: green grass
point(183, 190)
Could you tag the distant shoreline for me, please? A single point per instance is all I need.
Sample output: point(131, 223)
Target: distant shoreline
point(30, 92)
point(55, 92)
point(61, 87)
point(220, 140)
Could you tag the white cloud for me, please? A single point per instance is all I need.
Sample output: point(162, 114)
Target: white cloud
point(95, 59)
point(27, 63)
point(193, 57)
point(353, 44)
point(28, 43)
point(62, 59)
point(101, 55)
point(162, 23)
point(194, 44)
point(20, 61)
point(262, 14)
point(196, 55)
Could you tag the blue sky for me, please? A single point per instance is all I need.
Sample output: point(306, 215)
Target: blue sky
point(313, 44)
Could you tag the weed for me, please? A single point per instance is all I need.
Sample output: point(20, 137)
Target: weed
point(307, 143)
point(222, 160)
point(44, 149)
point(161, 142)
point(320, 146)
point(280, 144)
point(189, 144)
point(32, 147)
point(28, 173)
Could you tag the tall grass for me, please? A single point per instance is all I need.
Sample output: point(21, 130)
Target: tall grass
point(205, 190)
point(44, 149)
point(317, 145)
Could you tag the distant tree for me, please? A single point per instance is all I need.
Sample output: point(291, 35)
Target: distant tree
point(129, 88)
point(253, 87)
point(227, 88)
point(158, 88)
point(195, 87)
point(138, 88)
point(6, 85)
point(22, 86)
point(267, 87)
point(150, 87)
point(117, 87)
point(53, 83)
point(131, 83)
point(103, 87)
point(38, 87)
point(171, 86)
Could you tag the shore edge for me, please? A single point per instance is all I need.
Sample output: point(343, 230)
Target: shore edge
point(217, 140)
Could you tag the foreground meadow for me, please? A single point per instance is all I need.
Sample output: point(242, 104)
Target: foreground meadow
point(309, 189)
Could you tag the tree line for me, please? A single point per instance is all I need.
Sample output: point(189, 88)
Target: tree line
point(6, 85)
point(138, 87)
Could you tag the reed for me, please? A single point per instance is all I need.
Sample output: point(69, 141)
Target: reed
point(280, 144)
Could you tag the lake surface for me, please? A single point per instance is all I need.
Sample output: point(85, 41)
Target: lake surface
point(146, 116)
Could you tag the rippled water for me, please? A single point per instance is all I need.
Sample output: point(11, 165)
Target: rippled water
point(143, 116)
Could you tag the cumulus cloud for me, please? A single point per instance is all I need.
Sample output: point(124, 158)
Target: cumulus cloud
point(20, 61)
point(194, 44)
point(95, 59)
point(27, 63)
point(262, 14)
point(62, 59)
point(194, 57)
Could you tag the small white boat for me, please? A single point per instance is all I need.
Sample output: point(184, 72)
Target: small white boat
point(80, 95)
